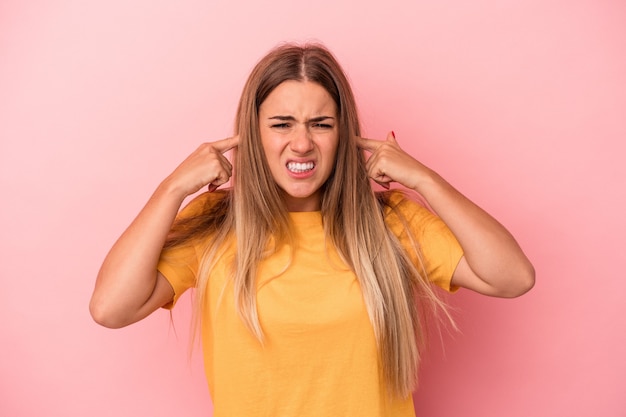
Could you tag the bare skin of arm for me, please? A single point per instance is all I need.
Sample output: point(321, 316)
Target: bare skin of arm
point(129, 287)
point(493, 263)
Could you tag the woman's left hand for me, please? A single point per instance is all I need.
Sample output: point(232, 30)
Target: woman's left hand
point(388, 162)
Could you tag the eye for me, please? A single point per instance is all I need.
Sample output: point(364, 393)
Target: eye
point(280, 125)
point(322, 126)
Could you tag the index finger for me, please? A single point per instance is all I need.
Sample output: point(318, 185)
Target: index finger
point(225, 145)
point(368, 144)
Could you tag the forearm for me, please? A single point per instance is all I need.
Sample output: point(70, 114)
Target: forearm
point(490, 251)
point(128, 275)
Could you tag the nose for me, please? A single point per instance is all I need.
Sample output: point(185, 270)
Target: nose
point(301, 141)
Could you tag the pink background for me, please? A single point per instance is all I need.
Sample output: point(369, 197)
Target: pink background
point(520, 104)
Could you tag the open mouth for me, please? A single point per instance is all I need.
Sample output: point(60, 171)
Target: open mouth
point(300, 167)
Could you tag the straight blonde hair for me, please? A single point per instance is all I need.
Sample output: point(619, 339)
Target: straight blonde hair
point(253, 217)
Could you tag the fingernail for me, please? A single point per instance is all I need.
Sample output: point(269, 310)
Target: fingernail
point(393, 134)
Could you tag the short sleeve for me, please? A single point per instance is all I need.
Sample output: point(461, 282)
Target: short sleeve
point(179, 264)
point(440, 251)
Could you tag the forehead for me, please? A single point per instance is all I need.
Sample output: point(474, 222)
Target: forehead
point(299, 97)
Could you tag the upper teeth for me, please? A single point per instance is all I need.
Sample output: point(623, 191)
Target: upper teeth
point(300, 167)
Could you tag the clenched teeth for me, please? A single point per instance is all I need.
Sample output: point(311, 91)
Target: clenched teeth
point(298, 167)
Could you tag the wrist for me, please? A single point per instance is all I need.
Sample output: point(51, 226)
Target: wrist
point(426, 181)
point(169, 189)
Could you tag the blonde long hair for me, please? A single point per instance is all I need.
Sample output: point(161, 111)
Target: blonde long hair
point(253, 214)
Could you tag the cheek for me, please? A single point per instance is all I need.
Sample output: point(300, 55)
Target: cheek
point(268, 144)
point(334, 146)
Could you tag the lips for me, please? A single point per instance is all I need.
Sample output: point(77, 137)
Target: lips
point(300, 167)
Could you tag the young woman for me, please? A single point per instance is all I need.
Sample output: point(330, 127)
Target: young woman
point(311, 288)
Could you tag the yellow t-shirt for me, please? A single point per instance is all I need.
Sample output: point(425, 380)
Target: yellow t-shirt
point(319, 356)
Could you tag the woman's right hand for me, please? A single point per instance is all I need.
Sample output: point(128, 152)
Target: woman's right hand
point(206, 166)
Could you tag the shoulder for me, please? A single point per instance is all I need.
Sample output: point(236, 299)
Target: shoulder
point(405, 214)
point(200, 218)
point(429, 243)
point(205, 203)
point(398, 206)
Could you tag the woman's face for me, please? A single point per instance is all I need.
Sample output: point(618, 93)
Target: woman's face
point(299, 133)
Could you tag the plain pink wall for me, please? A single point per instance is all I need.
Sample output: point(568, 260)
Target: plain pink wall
point(520, 104)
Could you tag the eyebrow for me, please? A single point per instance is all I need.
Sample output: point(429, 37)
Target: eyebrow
point(293, 119)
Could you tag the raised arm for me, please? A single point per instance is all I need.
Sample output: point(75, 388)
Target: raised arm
point(129, 287)
point(493, 263)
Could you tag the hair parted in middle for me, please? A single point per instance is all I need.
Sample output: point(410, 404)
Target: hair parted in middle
point(254, 218)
